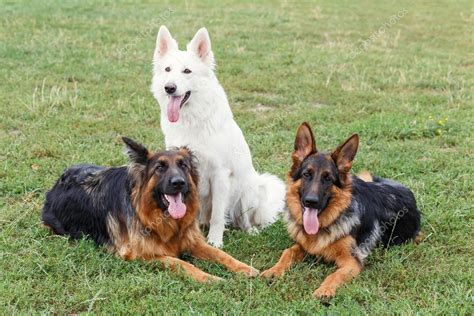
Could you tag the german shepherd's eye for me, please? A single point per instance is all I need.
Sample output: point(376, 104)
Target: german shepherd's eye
point(182, 164)
point(167, 69)
point(327, 177)
point(187, 71)
point(162, 166)
point(307, 175)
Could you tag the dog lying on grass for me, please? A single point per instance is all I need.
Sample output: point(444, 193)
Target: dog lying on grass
point(339, 216)
point(146, 210)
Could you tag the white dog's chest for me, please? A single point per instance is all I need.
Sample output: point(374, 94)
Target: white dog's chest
point(211, 155)
point(223, 149)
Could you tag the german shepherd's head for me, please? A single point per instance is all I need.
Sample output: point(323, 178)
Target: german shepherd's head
point(163, 181)
point(319, 182)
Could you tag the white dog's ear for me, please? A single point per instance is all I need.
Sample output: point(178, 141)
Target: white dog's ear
point(201, 46)
point(164, 43)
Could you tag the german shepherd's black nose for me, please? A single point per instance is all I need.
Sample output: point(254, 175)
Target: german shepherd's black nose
point(177, 182)
point(170, 88)
point(311, 201)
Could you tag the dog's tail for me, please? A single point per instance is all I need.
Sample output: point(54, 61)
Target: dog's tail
point(271, 199)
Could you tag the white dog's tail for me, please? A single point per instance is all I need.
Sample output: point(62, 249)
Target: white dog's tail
point(271, 199)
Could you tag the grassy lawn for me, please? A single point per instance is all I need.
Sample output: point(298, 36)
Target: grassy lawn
point(75, 76)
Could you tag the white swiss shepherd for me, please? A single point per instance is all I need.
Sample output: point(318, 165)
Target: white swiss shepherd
point(195, 113)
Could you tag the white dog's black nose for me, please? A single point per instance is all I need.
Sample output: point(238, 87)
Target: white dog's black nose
point(170, 88)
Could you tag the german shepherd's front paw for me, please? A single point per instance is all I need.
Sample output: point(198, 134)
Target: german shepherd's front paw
point(209, 278)
point(248, 271)
point(272, 273)
point(324, 292)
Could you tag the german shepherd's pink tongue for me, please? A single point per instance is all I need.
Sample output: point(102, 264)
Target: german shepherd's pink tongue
point(310, 221)
point(177, 208)
point(174, 105)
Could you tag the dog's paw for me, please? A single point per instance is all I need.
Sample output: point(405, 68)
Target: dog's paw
point(324, 292)
point(214, 278)
point(215, 243)
point(248, 271)
point(214, 237)
point(209, 278)
point(253, 231)
point(272, 273)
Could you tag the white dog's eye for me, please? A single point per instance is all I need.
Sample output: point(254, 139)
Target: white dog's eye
point(167, 69)
point(187, 71)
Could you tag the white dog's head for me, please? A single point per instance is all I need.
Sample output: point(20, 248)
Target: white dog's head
point(178, 75)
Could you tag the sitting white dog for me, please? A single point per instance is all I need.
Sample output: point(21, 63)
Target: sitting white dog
point(195, 113)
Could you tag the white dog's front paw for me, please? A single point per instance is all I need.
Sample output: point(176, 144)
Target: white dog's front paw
point(215, 236)
point(218, 243)
point(253, 231)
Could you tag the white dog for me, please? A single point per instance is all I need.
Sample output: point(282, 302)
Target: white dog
point(195, 113)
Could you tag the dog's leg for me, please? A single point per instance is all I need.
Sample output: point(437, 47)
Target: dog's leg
point(291, 255)
point(175, 264)
point(347, 267)
point(205, 199)
point(243, 220)
point(246, 225)
point(220, 186)
point(201, 250)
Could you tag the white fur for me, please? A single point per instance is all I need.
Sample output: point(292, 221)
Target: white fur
point(231, 191)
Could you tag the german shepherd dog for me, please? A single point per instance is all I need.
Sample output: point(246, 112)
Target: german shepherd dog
point(146, 210)
point(339, 216)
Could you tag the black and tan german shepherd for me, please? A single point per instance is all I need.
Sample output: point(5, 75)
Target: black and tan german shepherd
point(339, 216)
point(145, 210)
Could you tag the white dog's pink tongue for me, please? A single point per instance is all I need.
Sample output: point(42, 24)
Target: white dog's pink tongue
point(310, 221)
point(177, 208)
point(174, 105)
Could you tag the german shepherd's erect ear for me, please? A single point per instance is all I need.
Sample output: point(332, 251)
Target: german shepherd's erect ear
point(304, 145)
point(345, 153)
point(136, 152)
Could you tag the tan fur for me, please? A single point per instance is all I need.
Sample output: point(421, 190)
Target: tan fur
point(153, 234)
point(366, 176)
point(291, 255)
point(419, 237)
point(347, 266)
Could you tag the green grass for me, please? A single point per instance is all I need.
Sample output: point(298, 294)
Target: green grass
point(75, 76)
